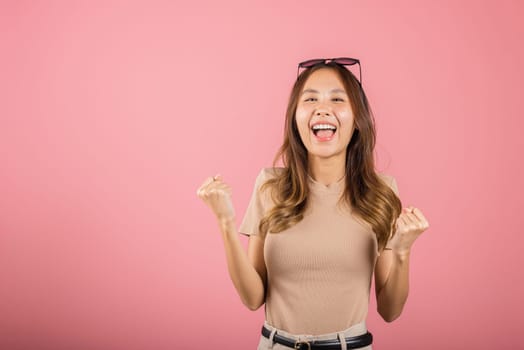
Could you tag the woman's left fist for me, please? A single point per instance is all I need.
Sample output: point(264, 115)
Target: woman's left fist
point(409, 225)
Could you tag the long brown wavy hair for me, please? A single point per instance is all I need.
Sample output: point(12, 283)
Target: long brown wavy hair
point(369, 196)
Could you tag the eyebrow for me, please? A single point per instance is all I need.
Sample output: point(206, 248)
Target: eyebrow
point(315, 91)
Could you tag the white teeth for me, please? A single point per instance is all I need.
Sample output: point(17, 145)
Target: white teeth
point(324, 127)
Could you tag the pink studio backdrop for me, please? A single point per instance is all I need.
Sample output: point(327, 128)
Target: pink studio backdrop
point(113, 113)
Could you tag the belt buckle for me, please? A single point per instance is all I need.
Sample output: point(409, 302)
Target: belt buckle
point(299, 343)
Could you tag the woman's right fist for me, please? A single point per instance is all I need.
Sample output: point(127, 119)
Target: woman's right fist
point(217, 195)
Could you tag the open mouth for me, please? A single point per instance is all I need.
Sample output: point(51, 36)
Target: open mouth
point(324, 132)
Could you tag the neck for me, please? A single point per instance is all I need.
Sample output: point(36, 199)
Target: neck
point(327, 170)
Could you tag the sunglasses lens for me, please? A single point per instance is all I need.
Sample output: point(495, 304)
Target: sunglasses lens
point(310, 63)
point(345, 61)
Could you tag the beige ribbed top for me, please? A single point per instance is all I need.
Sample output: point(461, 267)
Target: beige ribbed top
point(319, 270)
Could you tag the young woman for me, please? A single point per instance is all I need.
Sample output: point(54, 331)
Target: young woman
point(323, 224)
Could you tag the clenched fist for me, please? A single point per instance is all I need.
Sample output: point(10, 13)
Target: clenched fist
point(409, 225)
point(217, 195)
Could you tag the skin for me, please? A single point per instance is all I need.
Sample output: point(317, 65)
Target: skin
point(327, 165)
point(324, 98)
point(248, 273)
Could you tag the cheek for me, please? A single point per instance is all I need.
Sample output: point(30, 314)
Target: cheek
point(345, 117)
point(347, 122)
point(344, 114)
point(302, 123)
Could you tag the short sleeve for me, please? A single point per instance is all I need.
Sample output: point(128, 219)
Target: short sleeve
point(256, 208)
point(394, 187)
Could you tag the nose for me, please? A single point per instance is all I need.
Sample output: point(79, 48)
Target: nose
point(322, 112)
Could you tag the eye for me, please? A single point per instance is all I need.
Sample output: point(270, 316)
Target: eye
point(310, 99)
point(338, 99)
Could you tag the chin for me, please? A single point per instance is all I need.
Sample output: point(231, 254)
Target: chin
point(324, 154)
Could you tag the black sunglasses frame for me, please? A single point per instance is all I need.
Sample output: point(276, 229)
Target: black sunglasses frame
point(343, 61)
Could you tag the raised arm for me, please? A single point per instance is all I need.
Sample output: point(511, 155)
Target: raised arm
point(247, 273)
point(392, 267)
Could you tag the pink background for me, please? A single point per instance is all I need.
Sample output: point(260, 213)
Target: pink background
point(113, 113)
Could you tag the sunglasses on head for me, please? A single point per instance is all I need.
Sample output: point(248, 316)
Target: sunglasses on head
point(343, 61)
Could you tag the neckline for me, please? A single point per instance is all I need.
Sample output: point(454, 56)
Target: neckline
point(334, 188)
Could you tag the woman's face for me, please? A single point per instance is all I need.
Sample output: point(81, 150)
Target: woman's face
point(324, 116)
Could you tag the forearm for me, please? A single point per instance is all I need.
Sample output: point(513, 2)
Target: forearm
point(245, 277)
point(393, 295)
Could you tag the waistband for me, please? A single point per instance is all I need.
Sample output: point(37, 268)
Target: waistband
point(357, 329)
